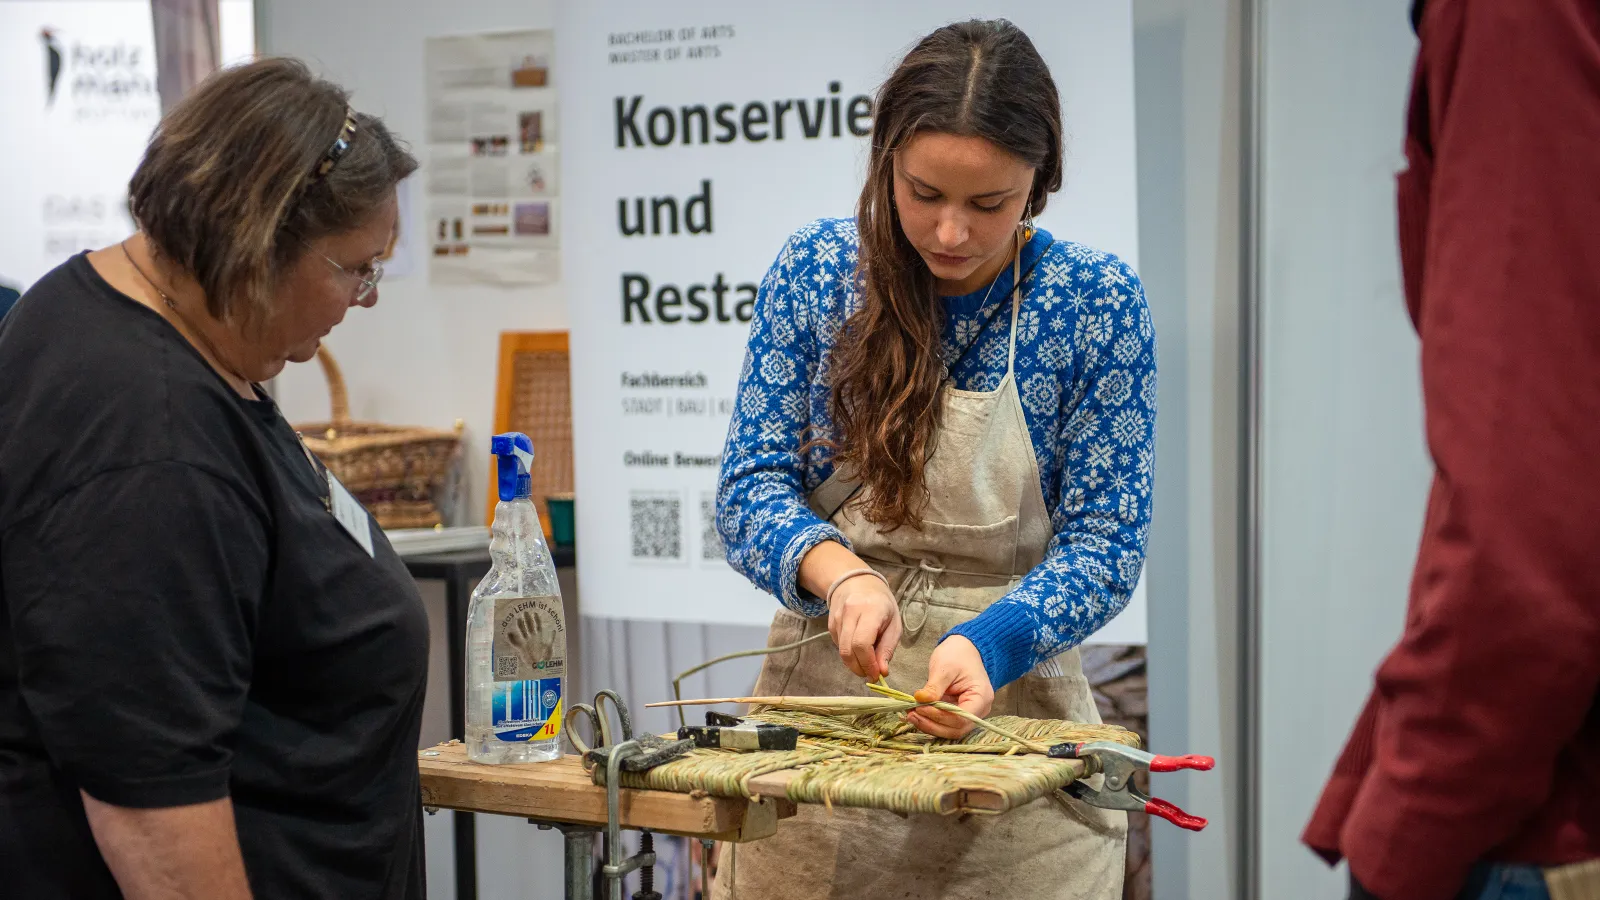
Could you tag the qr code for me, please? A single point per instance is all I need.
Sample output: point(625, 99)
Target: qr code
point(505, 666)
point(710, 542)
point(656, 523)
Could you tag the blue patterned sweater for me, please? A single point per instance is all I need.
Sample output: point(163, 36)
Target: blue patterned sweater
point(1086, 373)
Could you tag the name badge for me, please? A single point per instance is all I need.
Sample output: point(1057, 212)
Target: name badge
point(350, 513)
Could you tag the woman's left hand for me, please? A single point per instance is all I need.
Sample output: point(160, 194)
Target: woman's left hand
point(955, 675)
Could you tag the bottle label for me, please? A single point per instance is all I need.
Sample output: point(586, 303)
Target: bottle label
point(530, 658)
point(530, 638)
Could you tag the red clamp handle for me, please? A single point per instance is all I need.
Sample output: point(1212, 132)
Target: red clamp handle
point(1174, 763)
point(1176, 816)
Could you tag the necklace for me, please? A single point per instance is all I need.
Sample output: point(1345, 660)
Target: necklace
point(210, 348)
point(950, 376)
point(949, 368)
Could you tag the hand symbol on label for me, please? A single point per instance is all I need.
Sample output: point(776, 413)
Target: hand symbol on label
point(532, 638)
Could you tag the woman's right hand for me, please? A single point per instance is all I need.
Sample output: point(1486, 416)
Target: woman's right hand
point(864, 619)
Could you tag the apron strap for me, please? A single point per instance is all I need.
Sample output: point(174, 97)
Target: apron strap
point(832, 494)
point(1016, 304)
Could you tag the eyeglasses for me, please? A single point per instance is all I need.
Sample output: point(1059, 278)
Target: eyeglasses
point(370, 274)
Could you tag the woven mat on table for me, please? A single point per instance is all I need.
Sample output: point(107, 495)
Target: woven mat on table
point(887, 765)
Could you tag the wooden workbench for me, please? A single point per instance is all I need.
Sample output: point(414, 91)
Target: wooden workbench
point(561, 792)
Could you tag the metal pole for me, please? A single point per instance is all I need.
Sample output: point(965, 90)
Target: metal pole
point(1250, 434)
point(579, 861)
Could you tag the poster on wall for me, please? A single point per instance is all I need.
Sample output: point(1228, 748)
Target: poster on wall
point(491, 178)
point(698, 139)
point(82, 95)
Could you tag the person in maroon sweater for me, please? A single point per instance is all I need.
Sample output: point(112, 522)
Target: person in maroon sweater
point(1475, 767)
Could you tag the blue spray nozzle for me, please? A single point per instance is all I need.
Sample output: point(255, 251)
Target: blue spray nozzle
point(515, 453)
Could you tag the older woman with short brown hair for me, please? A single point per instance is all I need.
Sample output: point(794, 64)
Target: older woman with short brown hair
point(212, 664)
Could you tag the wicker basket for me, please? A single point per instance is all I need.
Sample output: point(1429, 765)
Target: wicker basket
point(392, 470)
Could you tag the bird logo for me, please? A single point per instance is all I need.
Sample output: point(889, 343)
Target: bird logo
point(52, 54)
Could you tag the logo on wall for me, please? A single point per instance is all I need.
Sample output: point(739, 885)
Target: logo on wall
point(52, 62)
point(92, 78)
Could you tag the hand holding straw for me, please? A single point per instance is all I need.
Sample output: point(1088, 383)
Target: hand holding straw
point(888, 700)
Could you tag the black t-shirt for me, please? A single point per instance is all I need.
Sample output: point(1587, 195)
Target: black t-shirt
point(182, 619)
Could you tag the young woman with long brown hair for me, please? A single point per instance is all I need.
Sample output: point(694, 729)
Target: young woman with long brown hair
point(942, 455)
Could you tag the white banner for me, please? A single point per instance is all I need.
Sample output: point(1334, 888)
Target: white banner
point(695, 142)
point(79, 103)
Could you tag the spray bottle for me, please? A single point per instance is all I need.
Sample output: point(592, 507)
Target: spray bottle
point(516, 633)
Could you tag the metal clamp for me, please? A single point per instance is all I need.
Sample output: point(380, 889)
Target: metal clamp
point(616, 868)
point(606, 762)
point(734, 733)
point(1119, 763)
point(654, 749)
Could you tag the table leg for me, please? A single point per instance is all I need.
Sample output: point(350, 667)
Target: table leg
point(455, 604)
point(456, 592)
point(579, 862)
point(466, 856)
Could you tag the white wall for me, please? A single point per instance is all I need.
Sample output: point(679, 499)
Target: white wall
point(1186, 74)
point(1343, 468)
point(425, 355)
point(1344, 471)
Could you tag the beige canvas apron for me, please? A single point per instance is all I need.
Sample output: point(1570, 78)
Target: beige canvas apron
point(985, 526)
point(1579, 881)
